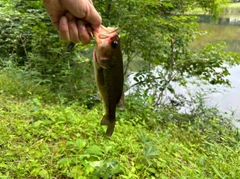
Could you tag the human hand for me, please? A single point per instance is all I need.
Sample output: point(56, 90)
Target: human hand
point(74, 19)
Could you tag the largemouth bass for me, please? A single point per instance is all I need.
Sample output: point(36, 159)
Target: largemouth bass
point(108, 69)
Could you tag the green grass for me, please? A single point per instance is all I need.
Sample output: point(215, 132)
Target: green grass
point(40, 139)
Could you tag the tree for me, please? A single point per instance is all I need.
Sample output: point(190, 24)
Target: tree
point(160, 33)
point(155, 32)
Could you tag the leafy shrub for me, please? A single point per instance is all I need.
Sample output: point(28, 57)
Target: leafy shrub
point(29, 41)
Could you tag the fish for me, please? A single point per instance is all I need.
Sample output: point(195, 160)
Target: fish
point(108, 70)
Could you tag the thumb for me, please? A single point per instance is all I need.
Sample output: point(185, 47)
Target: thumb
point(93, 17)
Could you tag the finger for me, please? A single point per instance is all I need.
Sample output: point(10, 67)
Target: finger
point(73, 30)
point(90, 1)
point(93, 17)
point(96, 27)
point(84, 10)
point(83, 33)
point(63, 28)
point(55, 10)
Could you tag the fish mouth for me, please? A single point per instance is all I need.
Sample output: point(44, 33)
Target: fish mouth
point(105, 34)
point(104, 49)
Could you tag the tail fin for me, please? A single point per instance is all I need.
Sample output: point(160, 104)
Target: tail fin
point(111, 125)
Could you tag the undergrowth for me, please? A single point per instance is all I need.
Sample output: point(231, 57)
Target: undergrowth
point(43, 138)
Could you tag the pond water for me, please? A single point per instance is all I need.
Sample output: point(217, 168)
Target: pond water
point(228, 30)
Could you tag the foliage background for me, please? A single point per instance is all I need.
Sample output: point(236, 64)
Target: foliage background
point(153, 33)
point(47, 90)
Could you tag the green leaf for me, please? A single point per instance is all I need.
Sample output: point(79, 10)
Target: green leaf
point(64, 162)
point(80, 144)
point(94, 149)
point(3, 165)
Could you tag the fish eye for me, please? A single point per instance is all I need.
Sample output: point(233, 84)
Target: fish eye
point(114, 44)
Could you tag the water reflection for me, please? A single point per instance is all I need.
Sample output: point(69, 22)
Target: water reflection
point(224, 20)
point(227, 30)
point(227, 33)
